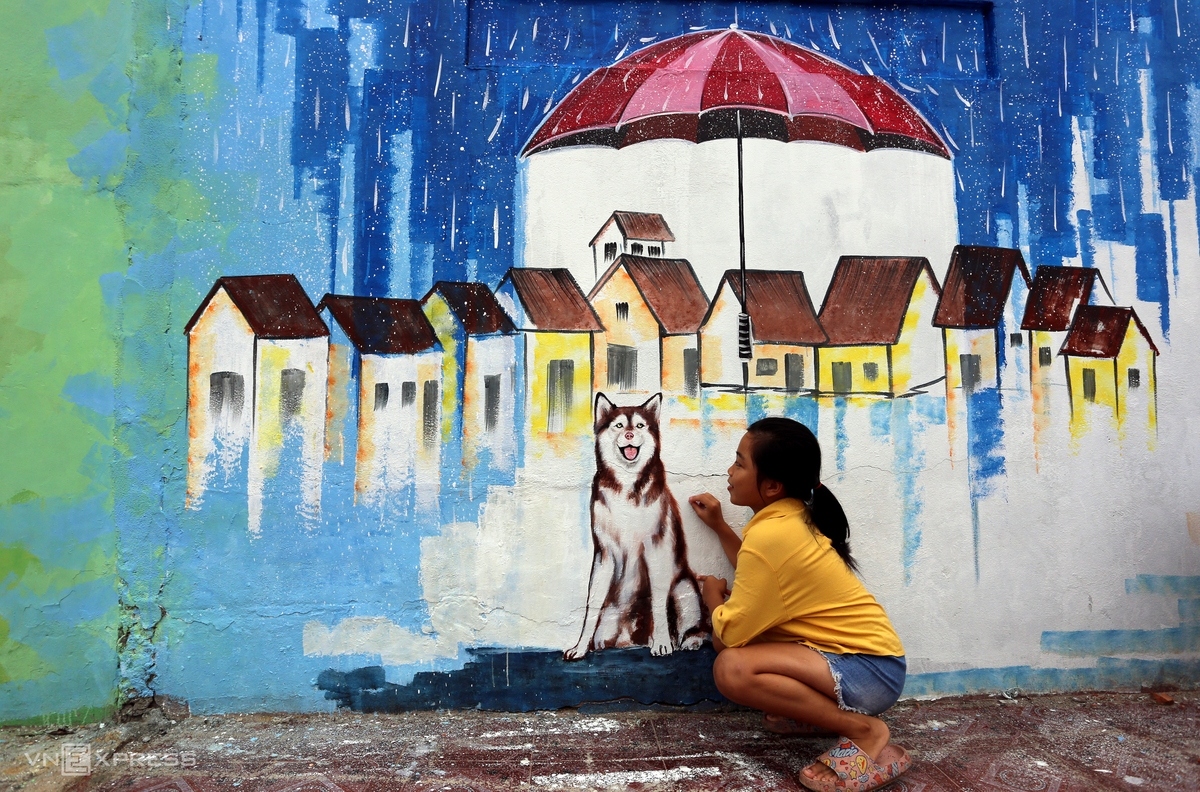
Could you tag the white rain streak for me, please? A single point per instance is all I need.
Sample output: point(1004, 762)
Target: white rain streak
point(237, 123)
point(525, 99)
point(453, 218)
point(923, 61)
point(1117, 65)
point(347, 113)
point(961, 186)
point(908, 87)
point(496, 128)
point(961, 98)
point(1131, 26)
point(378, 142)
point(438, 81)
point(1170, 144)
point(1039, 142)
point(787, 31)
point(1178, 29)
point(774, 32)
point(375, 208)
point(568, 42)
point(647, 39)
point(1002, 101)
point(832, 34)
point(621, 54)
point(513, 43)
point(950, 138)
point(287, 54)
point(976, 50)
point(1065, 86)
point(616, 33)
point(876, 48)
point(487, 48)
point(549, 104)
point(317, 110)
point(958, 60)
point(1147, 53)
point(216, 147)
point(867, 67)
point(1003, 176)
point(943, 42)
point(453, 104)
point(575, 79)
point(425, 206)
point(1054, 215)
point(407, 20)
point(931, 89)
point(496, 227)
point(535, 23)
point(1096, 25)
point(487, 88)
point(1025, 40)
point(1121, 192)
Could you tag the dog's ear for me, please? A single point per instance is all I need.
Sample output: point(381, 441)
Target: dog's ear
point(604, 409)
point(652, 406)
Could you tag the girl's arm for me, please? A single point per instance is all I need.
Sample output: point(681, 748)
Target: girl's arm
point(708, 509)
point(714, 591)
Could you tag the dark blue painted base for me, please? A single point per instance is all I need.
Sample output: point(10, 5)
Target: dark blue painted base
point(521, 681)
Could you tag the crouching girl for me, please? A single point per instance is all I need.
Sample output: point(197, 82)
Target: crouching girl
point(799, 637)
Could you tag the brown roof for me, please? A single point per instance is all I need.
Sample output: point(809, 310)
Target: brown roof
point(638, 225)
point(977, 286)
point(1099, 330)
point(670, 288)
point(780, 309)
point(275, 306)
point(868, 298)
point(552, 300)
point(1055, 293)
point(381, 326)
point(475, 307)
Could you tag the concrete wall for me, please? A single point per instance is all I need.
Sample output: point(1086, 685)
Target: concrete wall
point(153, 147)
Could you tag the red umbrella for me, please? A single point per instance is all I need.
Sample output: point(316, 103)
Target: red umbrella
point(733, 84)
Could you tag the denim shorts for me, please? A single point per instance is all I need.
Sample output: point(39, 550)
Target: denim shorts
point(865, 683)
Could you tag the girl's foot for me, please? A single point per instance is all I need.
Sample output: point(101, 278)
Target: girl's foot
point(872, 739)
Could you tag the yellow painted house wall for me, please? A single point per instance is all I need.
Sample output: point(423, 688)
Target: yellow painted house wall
point(446, 327)
point(981, 342)
point(337, 407)
point(719, 361)
point(916, 355)
point(856, 356)
point(777, 352)
point(540, 349)
point(673, 346)
point(1138, 405)
point(640, 331)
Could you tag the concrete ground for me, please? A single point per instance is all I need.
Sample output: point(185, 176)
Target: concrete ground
point(1082, 741)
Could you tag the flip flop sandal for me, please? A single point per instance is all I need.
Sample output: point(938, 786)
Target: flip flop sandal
point(856, 772)
point(793, 728)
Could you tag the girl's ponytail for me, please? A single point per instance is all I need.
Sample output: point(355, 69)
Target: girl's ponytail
point(788, 452)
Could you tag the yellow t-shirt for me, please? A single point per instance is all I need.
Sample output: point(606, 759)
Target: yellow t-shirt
point(791, 585)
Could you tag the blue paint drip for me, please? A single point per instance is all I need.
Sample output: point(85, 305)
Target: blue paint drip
point(1169, 585)
point(985, 462)
point(1151, 266)
point(1108, 674)
point(1092, 643)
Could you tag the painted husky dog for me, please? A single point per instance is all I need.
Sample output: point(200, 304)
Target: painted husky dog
point(642, 591)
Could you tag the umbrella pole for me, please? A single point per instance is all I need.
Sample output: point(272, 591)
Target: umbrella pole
point(744, 349)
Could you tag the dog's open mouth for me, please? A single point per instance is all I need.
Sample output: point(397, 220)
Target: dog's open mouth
point(630, 452)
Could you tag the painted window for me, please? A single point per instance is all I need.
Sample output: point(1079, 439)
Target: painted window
point(635, 248)
point(622, 312)
point(1135, 378)
point(972, 371)
point(765, 367)
point(622, 367)
point(491, 401)
point(429, 412)
point(560, 393)
point(610, 251)
point(291, 393)
point(381, 395)
point(1089, 384)
point(793, 371)
point(1015, 339)
point(843, 376)
point(408, 394)
point(1045, 356)
point(226, 397)
point(691, 371)
point(653, 250)
point(870, 371)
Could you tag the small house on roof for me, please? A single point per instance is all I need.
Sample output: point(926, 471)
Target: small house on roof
point(557, 324)
point(878, 316)
point(1111, 361)
point(256, 338)
point(385, 368)
point(636, 233)
point(651, 309)
point(784, 331)
point(478, 368)
point(978, 312)
point(1055, 294)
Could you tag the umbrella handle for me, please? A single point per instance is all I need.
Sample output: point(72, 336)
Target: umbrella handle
point(744, 351)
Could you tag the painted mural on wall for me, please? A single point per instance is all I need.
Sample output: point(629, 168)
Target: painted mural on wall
point(469, 295)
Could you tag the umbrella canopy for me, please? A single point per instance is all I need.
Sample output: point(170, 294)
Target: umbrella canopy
point(699, 86)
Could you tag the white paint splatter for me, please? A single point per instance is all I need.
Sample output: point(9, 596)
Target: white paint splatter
point(625, 778)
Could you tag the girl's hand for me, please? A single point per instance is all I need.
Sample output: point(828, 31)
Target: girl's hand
point(708, 509)
point(713, 590)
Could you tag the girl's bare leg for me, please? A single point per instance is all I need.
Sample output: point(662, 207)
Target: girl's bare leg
point(794, 681)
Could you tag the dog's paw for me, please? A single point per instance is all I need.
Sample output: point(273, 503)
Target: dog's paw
point(575, 652)
point(659, 648)
point(692, 642)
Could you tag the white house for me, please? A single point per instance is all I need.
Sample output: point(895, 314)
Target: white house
point(635, 233)
point(257, 367)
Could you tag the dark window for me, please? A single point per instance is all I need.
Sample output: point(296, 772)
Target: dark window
point(429, 412)
point(1045, 356)
point(610, 251)
point(381, 395)
point(870, 371)
point(1089, 384)
point(765, 367)
point(793, 371)
point(560, 393)
point(622, 367)
point(635, 248)
point(1015, 339)
point(653, 250)
point(1135, 378)
point(226, 397)
point(491, 401)
point(972, 373)
point(843, 376)
point(408, 394)
point(291, 393)
point(622, 312)
point(691, 371)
